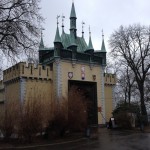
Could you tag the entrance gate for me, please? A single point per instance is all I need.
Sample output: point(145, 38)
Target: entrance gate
point(89, 89)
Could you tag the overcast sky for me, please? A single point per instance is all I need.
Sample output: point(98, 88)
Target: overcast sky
point(99, 14)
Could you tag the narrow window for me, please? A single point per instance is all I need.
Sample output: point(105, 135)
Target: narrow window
point(22, 69)
point(47, 72)
point(51, 67)
point(31, 69)
point(39, 71)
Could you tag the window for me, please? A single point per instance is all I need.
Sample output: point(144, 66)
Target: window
point(31, 69)
point(39, 71)
point(22, 69)
point(47, 72)
point(51, 67)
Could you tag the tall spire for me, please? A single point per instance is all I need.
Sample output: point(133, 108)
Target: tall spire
point(57, 36)
point(73, 21)
point(73, 12)
point(103, 49)
point(41, 42)
point(90, 46)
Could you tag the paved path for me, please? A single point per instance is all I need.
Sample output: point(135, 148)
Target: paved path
point(108, 140)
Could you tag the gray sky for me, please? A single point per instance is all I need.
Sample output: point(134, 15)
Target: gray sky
point(99, 14)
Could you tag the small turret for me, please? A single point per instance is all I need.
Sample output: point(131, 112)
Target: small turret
point(73, 21)
point(103, 50)
point(41, 46)
point(57, 41)
point(90, 48)
point(57, 36)
point(73, 45)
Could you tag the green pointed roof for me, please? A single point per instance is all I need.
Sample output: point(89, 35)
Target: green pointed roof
point(73, 13)
point(41, 43)
point(57, 36)
point(90, 46)
point(79, 41)
point(103, 49)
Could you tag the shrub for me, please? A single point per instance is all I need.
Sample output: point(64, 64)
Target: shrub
point(58, 121)
point(31, 119)
point(125, 114)
point(9, 119)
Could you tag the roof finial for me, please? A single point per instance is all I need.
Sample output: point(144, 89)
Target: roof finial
point(103, 49)
point(57, 36)
point(89, 31)
point(62, 17)
point(102, 34)
point(83, 23)
point(42, 32)
point(41, 42)
point(57, 19)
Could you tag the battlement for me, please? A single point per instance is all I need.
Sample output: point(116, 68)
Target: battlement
point(109, 79)
point(27, 70)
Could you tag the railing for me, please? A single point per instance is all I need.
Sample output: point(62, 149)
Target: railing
point(97, 59)
point(83, 57)
point(66, 54)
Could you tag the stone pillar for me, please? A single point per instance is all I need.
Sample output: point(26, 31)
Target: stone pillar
point(113, 97)
point(102, 94)
point(58, 79)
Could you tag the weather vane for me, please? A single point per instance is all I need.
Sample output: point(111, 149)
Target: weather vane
point(57, 19)
point(62, 17)
point(42, 31)
point(102, 34)
point(89, 31)
point(83, 23)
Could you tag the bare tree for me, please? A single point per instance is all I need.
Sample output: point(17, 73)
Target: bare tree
point(126, 81)
point(19, 26)
point(132, 45)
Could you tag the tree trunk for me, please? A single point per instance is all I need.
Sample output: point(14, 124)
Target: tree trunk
point(143, 108)
point(129, 94)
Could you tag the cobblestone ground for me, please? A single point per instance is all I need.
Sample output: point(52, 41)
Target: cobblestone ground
point(107, 140)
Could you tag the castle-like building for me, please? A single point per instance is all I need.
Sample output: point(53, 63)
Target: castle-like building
point(70, 62)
